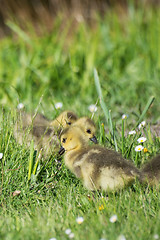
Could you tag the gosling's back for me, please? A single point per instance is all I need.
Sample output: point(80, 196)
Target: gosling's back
point(151, 171)
point(105, 169)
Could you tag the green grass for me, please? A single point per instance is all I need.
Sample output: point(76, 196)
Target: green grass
point(59, 66)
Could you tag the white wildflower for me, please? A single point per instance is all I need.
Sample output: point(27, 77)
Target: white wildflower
point(156, 236)
point(68, 231)
point(121, 237)
point(1, 155)
point(79, 220)
point(58, 105)
point(113, 219)
point(20, 106)
point(92, 108)
point(124, 116)
point(141, 140)
point(142, 124)
point(71, 235)
point(132, 132)
point(52, 239)
point(139, 148)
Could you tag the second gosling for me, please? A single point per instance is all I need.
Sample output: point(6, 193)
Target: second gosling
point(43, 131)
point(98, 168)
point(88, 127)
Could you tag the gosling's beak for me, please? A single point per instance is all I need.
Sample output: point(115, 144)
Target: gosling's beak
point(94, 139)
point(61, 151)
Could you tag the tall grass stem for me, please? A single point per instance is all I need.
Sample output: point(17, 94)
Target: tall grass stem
point(149, 103)
point(107, 113)
point(123, 139)
point(31, 160)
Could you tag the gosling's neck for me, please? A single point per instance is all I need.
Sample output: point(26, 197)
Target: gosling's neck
point(71, 156)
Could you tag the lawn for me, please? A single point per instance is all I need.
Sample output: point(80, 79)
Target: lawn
point(115, 63)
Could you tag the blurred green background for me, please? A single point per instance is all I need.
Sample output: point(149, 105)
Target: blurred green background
point(56, 64)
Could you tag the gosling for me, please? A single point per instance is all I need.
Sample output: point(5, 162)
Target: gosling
point(43, 132)
point(66, 118)
point(151, 172)
point(98, 168)
point(88, 127)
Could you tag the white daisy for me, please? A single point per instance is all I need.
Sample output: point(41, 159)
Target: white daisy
point(113, 219)
point(1, 155)
point(121, 237)
point(20, 106)
point(92, 108)
point(132, 132)
point(124, 116)
point(141, 140)
point(139, 148)
point(71, 235)
point(156, 236)
point(79, 220)
point(68, 231)
point(142, 124)
point(58, 105)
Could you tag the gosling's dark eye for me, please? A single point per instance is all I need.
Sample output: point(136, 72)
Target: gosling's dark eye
point(64, 140)
point(88, 131)
point(69, 123)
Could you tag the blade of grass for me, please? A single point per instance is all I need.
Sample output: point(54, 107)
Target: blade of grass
point(150, 101)
point(37, 161)
point(150, 135)
point(31, 160)
point(102, 133)
point(19, 31)
point(107, 113)
point(112, 131)
point(123, 139)
point(99, 91)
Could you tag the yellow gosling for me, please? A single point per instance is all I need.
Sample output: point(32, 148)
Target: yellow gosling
point(88, 127)
point(98, 168)
point(42, 131)
point(65, 119)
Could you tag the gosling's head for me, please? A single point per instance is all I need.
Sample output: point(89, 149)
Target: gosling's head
point(66, 118)
point(72, 138)
point(88, 127)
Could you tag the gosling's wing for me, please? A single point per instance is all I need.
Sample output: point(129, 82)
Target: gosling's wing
point(25, 119)
point(103, 158)
point(100, 168)
point(29, 127)
point(40, 120)
point(22, 122)
point(40, 131)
